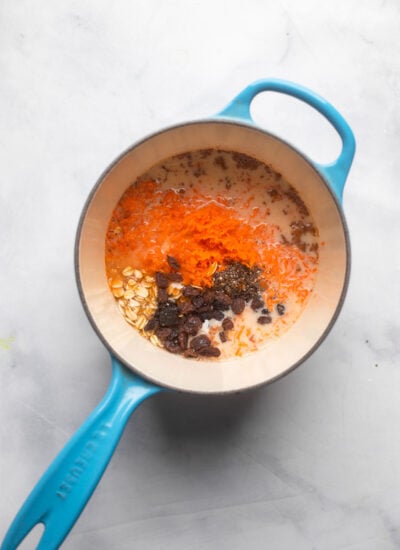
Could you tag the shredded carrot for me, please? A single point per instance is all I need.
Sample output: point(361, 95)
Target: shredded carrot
point(200, 231)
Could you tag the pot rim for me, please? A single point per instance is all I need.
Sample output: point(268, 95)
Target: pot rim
point(313, 166)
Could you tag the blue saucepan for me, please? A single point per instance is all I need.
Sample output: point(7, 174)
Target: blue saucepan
point(139, 369)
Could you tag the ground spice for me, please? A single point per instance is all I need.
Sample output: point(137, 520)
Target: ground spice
point(177, 320)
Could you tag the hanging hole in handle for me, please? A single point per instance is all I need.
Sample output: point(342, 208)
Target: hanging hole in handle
point(32, 539)
point(297, 123)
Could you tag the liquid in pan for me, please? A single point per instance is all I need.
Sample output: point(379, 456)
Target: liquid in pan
point(211, 254)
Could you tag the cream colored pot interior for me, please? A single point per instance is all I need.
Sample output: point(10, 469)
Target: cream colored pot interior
point(212, 376)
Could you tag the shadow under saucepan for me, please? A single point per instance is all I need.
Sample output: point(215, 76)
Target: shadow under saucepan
point(213, 425)
point(204, 417)
point(183, 455)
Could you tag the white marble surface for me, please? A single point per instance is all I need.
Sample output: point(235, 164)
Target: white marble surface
point(310, 462)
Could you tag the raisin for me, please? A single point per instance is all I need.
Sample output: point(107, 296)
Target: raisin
point(227, 324)
point(206, 315)
point(238, 305)
point(185, 307)
point(209, 296)
point(192, 324)
point(280, 308)
point(163, 333)
point(161, 280)
point(168, 314)
point(264, 320)
point(218, 315)
point(265, 311)
point(151, 324)
point(162, 295)
point(221, 306)
point(199, 342)
point(222, 300)
point(190, 291)
point(257, 303)
point(209, 351)
point(173, 263)
point(198, 301)
point(183, 340)
point(172, 346)
point(175, 277)
point(222, 336)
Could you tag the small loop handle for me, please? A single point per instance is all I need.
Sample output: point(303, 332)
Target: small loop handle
point(336, 173)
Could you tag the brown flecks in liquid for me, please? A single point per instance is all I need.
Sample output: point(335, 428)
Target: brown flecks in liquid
point(220, 161)
point(243, 161)
point(279, 201)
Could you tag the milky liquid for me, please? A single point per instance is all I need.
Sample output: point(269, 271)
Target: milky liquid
point(253, 191)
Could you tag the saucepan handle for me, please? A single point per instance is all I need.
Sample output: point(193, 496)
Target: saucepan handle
point(64, 489)
point(336, 172)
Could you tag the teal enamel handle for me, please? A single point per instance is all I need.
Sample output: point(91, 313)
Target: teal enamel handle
point(336, 172)
point(64, 489)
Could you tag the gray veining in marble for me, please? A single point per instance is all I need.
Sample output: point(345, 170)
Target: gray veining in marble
point(310, 462)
